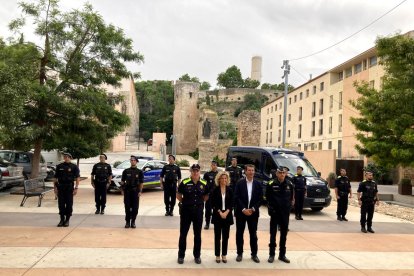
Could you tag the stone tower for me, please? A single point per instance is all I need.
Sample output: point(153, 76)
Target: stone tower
point(256, 68)
point(186, 116)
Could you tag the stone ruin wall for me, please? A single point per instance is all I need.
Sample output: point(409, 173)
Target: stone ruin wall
point(248, 128)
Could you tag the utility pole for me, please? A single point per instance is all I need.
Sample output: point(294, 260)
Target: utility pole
point(286, 72)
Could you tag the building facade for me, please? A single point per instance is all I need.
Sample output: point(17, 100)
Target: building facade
point(319, 112)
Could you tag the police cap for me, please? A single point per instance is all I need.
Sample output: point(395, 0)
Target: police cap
point(67, 154)
point(214, 162)
point(133, 157)
point(103, 154)
point(195, 167)
point(172, 156)
point(299, 167)
point(280, 169)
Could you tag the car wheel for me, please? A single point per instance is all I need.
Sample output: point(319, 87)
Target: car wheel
point(316, 209)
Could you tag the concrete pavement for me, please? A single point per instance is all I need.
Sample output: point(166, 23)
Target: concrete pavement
point(31, 244)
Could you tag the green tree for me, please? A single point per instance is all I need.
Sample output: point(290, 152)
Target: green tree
point(156, 102)
point(203, 85)
point(251, 102)
point(386, 124)
point(249, 83)
point(266, 85)
point(231, 78)
point(79, 54)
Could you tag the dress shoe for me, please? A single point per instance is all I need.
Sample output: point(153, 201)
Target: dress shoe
point(255, 259)
point(61, 222)
point(127, 224)
point(271, 259)
point(180, 260)
point(167, 214)
point(171, 214)
point(339, 218)
point(363, 230)
point(300, 218)
point(297, 217)
point(66, 223)
point(224, 259)
point(133, 224)
point(197, 260)
point(284, 259)
point(371, 230)
point(97, 211)
point(239, 258)
point(207, 226)
point(344, 219)
point(218, 260)
point(102, 212)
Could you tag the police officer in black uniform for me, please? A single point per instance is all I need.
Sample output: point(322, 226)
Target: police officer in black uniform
point(299, 182)
point(66, 186)
point(210, 178)
point(280, 197)
point(191, 193)
point(169, 177)
point(101, 177)
point(235, 172)
point(367, 198)
point(132, 183)
point(342, 189)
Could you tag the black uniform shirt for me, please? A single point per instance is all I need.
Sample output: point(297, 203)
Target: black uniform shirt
point(300, 182)
point(235, 174)
point(66, 173)
point(132, 177)
point(279, 195)
point(369, 190)
point(171, 173)
point(101, 171)
point(193, 193)
point(210, 178)
point(343, 184)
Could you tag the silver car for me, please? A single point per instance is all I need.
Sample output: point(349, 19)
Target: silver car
point(24, 159)
point(10, 174)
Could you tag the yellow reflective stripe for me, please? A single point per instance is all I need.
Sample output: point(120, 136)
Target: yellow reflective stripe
point(152, 182)
point(185, 181)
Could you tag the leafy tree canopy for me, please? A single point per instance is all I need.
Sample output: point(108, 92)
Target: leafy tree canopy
point(60, 102)
point(231, 78)
point(251, 102)
point(203, 85)
point(386, 124)
point(280, 86)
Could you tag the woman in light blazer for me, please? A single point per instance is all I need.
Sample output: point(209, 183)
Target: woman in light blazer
point(222, 218)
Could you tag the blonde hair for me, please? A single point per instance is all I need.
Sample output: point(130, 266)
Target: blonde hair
point(220, 174)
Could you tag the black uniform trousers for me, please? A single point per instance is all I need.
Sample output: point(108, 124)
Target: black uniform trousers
point(208, 211)
point(252, 221)
point(299, 199)
point(281, 219)
point(131, 202)
point(367, 213)
point(188, 215)
point(342, 206)
point(100, 194)
point(221, 233)
point(170, 195)
point(65, 199)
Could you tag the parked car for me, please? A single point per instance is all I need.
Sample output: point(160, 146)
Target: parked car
point(24, 159)
point(151, 169)
point(267, 159)
point(10, 174)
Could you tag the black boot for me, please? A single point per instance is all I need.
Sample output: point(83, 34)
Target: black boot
point(102, 211)
point(97, 211)
point(62, 221)
point(133, 224)
point(66, 223)
point(127, 224)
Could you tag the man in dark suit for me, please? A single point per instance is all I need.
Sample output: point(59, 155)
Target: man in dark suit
point(248, 195)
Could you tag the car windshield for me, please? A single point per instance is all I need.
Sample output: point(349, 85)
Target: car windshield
point(127, 164)
point(292, 161)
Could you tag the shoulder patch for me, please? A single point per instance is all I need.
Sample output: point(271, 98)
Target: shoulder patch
point(186, 180)
point(270, 182)
point(203, 181)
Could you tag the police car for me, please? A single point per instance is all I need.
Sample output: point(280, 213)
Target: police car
point(151, 169)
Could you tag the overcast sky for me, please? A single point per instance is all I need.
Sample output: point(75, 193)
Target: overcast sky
point(205, 37)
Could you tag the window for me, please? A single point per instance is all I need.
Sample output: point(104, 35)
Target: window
point(340, 122)
point(372, 61)
point(314, 89)
point(320, 106)
point(322, 86)
point(295, 98)
point(330, 145)
point(321, 127)
point(271, 110)
point(364, 64)
point(300, 95)
point(191, 95)
point(340, 100)
point(267, 138)
point(270, 139)
point(348, 72)
point(280, 120)
point(275, 107)
point(312, 146)
point(330, 103)
point(300, 146)
point(289, 117)
point(320, 146)
point(290, 100)
point(300, 113)
point(313, 129)
point(300, 132)
point(371, 84)
point(288, 133)
point(280, 105)
point(340, 76)
point(305, 147)
point(330, 125)
point(20, 157)
point(339, 149)
point(357, 68)
point(271, 123)
point(267, 124)
point(307, 93)
point(313, 109)
point(267, 110)
point(279, 136)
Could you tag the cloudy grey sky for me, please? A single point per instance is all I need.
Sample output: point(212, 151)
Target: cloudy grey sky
point(205, 37)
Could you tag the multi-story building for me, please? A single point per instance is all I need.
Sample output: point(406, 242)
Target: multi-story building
point(319, 112)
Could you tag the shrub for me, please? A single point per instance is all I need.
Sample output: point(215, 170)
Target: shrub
point(183, 163)
point(116, 163)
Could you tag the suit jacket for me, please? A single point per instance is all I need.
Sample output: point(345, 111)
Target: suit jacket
point(216, 204)
point(242, 200)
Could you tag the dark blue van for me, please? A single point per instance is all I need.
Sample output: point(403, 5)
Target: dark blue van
point(267, 159)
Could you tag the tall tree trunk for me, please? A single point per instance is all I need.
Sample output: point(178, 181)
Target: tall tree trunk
point(36, 158)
